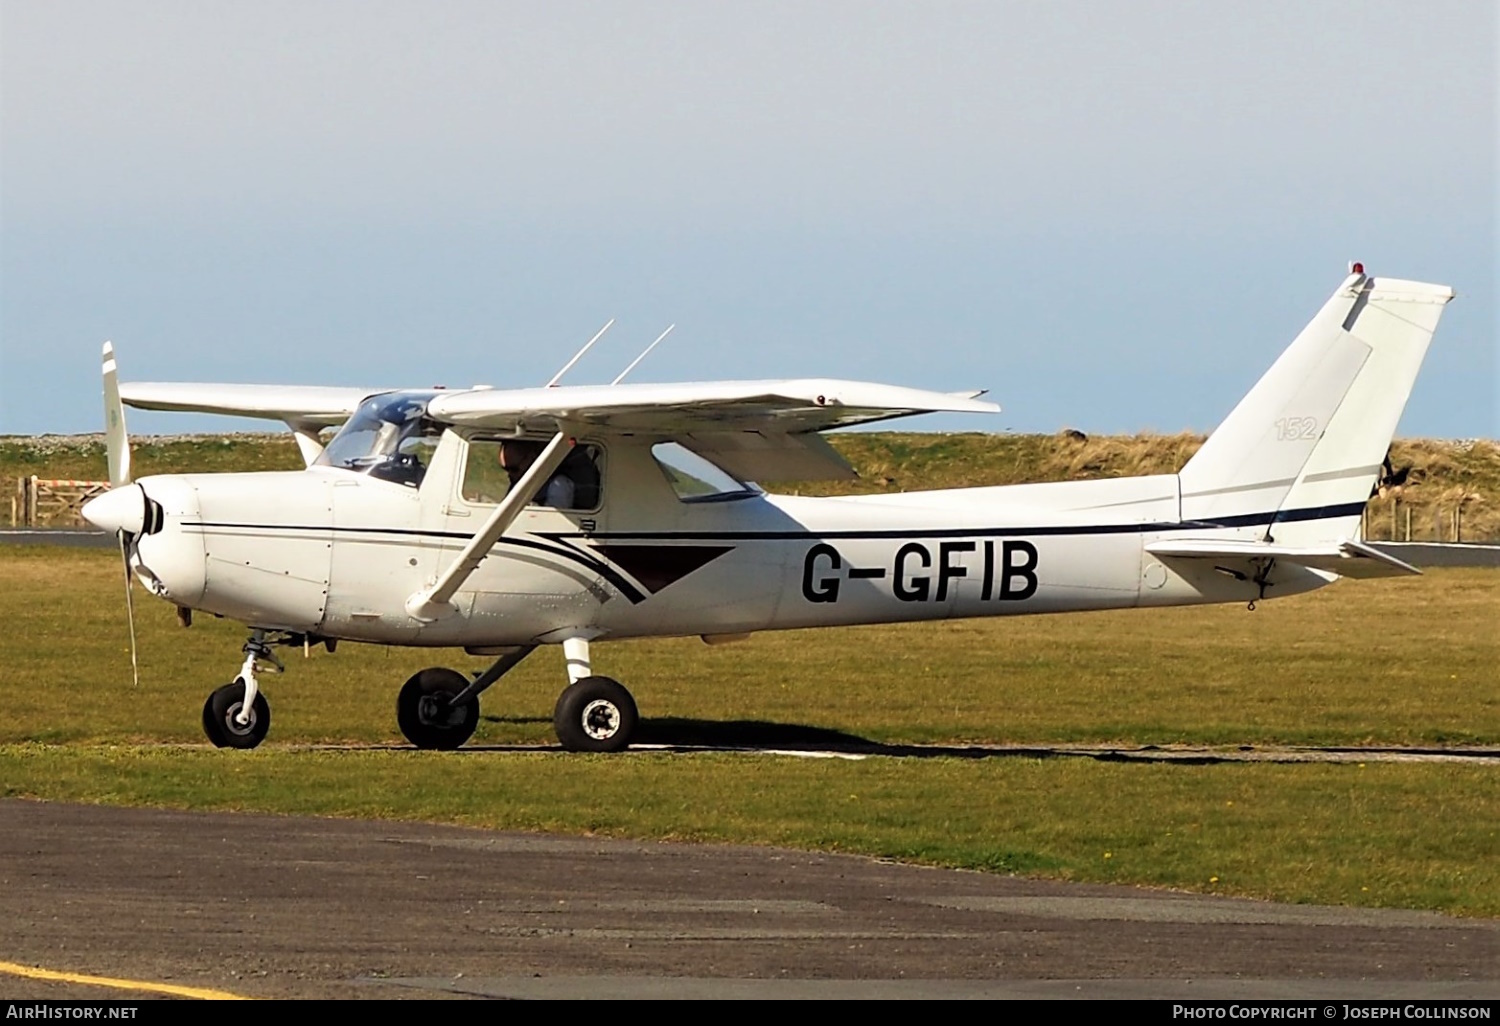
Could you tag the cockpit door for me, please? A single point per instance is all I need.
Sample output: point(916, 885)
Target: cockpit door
point(389, 536)
point(541, 575)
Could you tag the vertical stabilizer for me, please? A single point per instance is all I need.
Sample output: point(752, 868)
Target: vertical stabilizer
point(1300, 453)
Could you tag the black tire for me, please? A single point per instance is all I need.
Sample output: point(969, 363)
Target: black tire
point(595, 714)
point(220, 714)
point(426, 716)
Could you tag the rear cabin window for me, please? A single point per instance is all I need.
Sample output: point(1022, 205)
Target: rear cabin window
point(494, 465)
point(695, 479)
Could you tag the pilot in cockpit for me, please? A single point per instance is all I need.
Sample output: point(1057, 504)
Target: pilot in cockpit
point(517, 456)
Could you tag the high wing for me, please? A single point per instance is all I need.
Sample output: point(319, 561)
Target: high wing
point(294, 404)
point(306, 409)
point(1347, 558)
point(757, 430)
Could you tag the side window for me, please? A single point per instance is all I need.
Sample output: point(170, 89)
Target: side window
point(495, 464)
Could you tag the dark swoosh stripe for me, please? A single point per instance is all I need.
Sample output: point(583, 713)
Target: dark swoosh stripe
point(624, 586)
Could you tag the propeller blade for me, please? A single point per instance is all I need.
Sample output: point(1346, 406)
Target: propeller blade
point(116, 442)
point(135, 670)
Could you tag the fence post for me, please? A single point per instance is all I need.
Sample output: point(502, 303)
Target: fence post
point(31, 502)
point(1408, 523)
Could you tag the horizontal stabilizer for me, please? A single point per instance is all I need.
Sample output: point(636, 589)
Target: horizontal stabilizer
point(1346, 558)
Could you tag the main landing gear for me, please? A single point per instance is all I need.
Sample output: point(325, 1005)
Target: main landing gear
point(439, 708)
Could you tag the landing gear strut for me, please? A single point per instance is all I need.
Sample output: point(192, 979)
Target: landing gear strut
point(593, 714)
point(439, 708)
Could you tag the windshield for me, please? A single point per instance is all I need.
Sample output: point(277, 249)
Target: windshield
point(389, 437)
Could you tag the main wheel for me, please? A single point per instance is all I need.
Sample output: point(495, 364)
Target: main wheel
point(221, 717)
point(427, 716)
point(595, 714)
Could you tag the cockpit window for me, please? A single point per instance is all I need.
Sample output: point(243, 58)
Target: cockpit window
point(389, 437)
point(695, 479)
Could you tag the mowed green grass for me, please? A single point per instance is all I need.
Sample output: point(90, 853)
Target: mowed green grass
point(1400, 662)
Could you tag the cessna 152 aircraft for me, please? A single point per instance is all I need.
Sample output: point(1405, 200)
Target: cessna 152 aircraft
point(500, 521)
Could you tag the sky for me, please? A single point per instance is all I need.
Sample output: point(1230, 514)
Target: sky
point(1112, 216)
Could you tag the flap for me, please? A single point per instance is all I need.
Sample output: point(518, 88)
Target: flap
point(771, 455)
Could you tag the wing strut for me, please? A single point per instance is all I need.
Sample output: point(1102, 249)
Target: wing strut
point(433, 603)
point(638, 359)
point(579, 355)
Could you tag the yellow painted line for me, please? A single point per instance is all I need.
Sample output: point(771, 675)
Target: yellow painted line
point(106, 981)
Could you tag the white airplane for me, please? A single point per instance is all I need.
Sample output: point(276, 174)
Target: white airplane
point(499, 521)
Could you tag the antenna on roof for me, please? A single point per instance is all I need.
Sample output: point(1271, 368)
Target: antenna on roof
point(558, 376)
point(638, 359)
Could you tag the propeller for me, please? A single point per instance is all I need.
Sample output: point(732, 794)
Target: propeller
point(116, 444)
point(117, 508)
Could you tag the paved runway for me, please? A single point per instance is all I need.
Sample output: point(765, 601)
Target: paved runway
point(265, 906)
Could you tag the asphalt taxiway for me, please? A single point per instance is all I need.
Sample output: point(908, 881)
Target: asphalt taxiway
point(101, 902)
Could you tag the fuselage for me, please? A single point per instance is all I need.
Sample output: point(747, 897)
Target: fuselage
point(336, 554)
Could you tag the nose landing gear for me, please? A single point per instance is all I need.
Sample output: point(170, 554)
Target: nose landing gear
point(237, 715)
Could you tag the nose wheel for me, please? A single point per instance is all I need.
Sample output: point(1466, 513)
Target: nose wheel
point(227, 721)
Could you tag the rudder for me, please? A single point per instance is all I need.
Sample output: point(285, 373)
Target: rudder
point(1300, 453)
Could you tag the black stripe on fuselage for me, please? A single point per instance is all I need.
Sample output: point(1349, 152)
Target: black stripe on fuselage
point(907, 533)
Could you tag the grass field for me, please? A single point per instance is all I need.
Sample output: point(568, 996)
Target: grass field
point(1399, 662)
